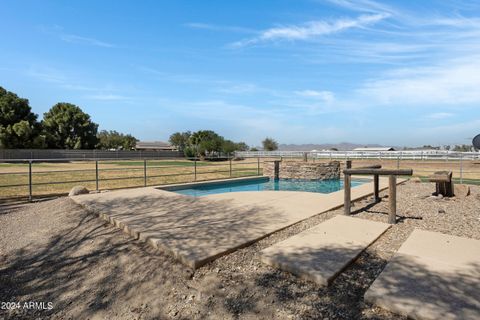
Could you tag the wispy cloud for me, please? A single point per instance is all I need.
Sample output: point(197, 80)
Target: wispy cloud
point(439, 115)
point(451, 82)
point(59, 32)
point(327, 96)
point(364, 6)
point(213, 27)
point(311, 29)
point(108, 97)
point(71, 38)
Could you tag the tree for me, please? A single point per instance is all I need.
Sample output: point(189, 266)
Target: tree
point(269, 144)
point(66, 126)
point(180, 140)
point(115, 140)
point(19, 127)
point(242, 146)
point(462, 148)
point(205, 142)
point(228, 147)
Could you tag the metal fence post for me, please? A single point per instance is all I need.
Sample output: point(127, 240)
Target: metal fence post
point(144, 172)
point(30, 193)
point(398, 162)
point(96, 175)
point(230, 167)
point(258, 166)
point(195, 169)
point(461, 168)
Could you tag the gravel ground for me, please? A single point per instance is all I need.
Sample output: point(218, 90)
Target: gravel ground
point(57, 252)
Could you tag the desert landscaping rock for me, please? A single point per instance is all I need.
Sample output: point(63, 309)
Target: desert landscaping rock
point(56, 251)
point(78, 190)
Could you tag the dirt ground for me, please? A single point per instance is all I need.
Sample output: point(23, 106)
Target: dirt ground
point(55, 251)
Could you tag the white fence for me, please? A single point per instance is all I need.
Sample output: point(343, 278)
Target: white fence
point(393, 155)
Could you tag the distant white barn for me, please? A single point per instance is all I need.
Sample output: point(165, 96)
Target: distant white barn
point(374, 149)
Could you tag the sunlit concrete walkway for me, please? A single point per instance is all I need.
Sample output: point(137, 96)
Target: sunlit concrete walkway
point(322, 252)
point(198, 230)
point(432, 276)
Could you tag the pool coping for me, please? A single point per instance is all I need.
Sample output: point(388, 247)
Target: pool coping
point(147, 214)
point(187, 185)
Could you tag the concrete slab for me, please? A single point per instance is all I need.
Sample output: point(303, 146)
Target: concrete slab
point(198, 230)
point(322, 252)
point(432, 276)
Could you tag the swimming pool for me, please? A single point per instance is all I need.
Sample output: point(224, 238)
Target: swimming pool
point(265, 184)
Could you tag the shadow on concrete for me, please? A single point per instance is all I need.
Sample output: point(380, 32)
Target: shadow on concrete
point(193, 229)
point(410, 287)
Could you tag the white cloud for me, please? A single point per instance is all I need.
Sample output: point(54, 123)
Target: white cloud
point(452, 82)
point(107, 97)
point(363, 6)
point(71, 38)
point(213, 27)
point(311, 29)
point(440, 115)
point(327, 96)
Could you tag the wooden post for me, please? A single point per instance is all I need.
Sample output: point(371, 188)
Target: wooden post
point(376, 189)
point(347, 196)
point(392, 217)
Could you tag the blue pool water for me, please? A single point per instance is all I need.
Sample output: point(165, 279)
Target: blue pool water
point(325, 186)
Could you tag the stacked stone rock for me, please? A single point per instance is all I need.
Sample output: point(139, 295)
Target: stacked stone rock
point(303, 170)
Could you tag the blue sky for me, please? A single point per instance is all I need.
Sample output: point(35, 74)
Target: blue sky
point(301, 71)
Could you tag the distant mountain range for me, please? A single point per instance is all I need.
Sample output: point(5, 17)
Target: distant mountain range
point(340, 146)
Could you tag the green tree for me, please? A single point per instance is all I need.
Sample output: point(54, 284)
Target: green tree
point(462, 148)
point(228, 147)
point(269, 144)
point(115, 140)
point(242, 146)
point(206, 142)
point(66, 126)
point(19, 127)
point(180, 140)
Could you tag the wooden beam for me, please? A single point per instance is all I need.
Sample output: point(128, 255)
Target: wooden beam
point(381, 172)
point(392, 197)
point(375, 166)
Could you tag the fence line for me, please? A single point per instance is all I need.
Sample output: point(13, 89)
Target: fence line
point(50, 154)
point(401, 155)
point(192, 171)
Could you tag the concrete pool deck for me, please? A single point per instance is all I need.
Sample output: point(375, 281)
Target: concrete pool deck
point(198, 230)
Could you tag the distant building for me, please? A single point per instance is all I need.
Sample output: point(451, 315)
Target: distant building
point(154, 145)
point(374, 149)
